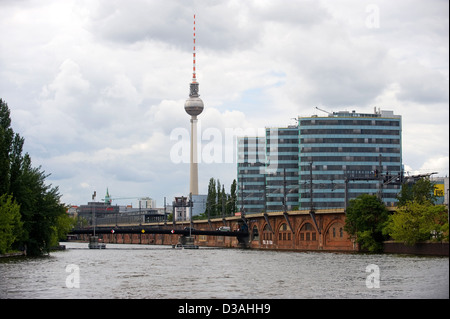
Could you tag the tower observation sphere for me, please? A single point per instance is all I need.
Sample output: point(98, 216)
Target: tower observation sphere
point(194, 105)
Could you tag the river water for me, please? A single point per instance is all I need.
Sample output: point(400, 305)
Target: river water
point(148, 271)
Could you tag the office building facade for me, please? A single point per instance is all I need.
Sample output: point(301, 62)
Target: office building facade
point(323, 162)
point(251, 159)
point(349, 154)
point(282, 156)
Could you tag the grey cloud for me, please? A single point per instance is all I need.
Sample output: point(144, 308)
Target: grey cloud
point(422, 85)
point(97, 88)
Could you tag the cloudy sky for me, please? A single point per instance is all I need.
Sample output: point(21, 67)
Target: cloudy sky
point(97, 87)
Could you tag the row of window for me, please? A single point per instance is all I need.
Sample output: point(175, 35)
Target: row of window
point(281, 132)
point(282, 157)
point(306, 233)
point(349, 131)
point(305, 196)
point(350, 140)
point(348, 168)
point(280, 149)
point(348, 122)
point(350, 149)
point(392, 159)
point(282, 141)
point(315, 159)
point(305, 149)
point(328, 182)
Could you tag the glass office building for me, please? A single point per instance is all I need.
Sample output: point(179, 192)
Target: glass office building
point(322, 162)
point(349, 152)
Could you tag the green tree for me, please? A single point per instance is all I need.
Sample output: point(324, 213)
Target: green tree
point(211, 198)
point(6, 144)
point(40, 206)
point(421, 191)
point(366, 218)
point(417, 218)
point(217, 199)
point(232, 199)
point(10, 223)
point(222, 204)
point(64, 224)
point(415, 222)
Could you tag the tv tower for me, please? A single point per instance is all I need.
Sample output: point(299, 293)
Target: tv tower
point(193, 107)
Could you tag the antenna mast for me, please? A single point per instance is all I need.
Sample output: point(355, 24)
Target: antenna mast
point(194, 79)
point(194, 83)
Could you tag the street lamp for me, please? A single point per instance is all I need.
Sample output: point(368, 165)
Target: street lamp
point(93, 210)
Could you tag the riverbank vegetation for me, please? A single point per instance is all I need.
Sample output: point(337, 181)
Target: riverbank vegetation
point(416, 219)
point(32, 216)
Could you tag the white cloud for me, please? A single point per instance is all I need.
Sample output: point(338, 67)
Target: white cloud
point(97, 87)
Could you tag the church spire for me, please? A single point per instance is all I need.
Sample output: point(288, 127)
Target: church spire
point(108, 199)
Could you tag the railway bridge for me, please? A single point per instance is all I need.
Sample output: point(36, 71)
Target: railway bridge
point(148, 234)
point(292, 230)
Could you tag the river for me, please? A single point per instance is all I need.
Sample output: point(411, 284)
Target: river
point(147, 271)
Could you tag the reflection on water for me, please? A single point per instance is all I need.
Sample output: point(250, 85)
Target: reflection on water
point(141, 271)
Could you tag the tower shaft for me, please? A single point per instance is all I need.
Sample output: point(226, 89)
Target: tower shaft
point(193, 183)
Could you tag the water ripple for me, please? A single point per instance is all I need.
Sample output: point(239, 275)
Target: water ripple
point(141, 271)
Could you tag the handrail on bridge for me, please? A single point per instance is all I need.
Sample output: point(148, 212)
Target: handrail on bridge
point(154, 230)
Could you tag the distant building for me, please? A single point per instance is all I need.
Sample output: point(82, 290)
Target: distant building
point(72, 211)
point(199, 204)
point(147, 202)
point(181, 207)
point(107, 214)
point(441, 189)
point(99, 209)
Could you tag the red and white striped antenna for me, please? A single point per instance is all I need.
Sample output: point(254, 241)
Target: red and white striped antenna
point(194, 79)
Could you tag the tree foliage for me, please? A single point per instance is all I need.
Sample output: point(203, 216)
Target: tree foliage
point(417, 219)
point(218, 202)
point(366, 218)
point(40, 208)
point(211, 208)
point(10, 223)
point(416, 222)
point(420, 192)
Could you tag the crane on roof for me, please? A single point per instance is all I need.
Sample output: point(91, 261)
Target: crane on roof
point(324, 111)
point(108, 199)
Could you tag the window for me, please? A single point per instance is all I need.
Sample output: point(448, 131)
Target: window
point(308, 233)
point(284, 233)
point(336, 232)
point(267, 233)
point(255, 234)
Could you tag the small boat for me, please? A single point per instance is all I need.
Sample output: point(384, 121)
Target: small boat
point(185, 243)
point(94, 243)
point(188, 246)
